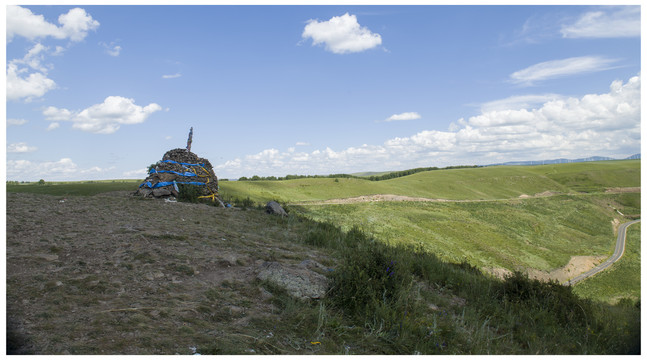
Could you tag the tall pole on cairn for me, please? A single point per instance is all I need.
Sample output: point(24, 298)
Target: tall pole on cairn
point(188, 142)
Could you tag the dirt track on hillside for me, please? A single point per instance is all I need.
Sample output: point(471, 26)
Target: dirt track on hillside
point(392, 197)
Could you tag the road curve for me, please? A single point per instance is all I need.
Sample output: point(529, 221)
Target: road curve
point(617, 254)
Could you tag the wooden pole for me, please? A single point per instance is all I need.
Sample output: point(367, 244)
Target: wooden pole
point(188, 143)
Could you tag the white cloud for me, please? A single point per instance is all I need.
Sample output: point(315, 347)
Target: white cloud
point(63, 169)
point(135, 174)
point(34, 58)
point(20, 147)
point(27, 87)
point(75, 24)
point(559, 68)
point(404, 116)
point(173, 76)
point(54, 114)
point(111, 49)
point(594, 124)
point(53, 126)
point(104, 118)
point(16, 122)
point(49, 170)
point(302, 143)
point(518, 102)
point(59, 50)
point(341, 34)
point(608, 22)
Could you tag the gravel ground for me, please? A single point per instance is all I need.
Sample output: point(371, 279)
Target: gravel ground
point(115, 274)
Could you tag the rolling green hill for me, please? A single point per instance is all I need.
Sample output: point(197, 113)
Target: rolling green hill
point(496, 182)
point(491, 224)
point(406, 276)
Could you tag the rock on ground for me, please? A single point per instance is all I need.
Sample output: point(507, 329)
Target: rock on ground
point(299, 281)
point(273, 207)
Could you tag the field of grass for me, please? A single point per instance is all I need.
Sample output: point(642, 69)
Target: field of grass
point(80, 188)
point(497, 182)
point(511, 232)
point(540, 233)
point(390, 293)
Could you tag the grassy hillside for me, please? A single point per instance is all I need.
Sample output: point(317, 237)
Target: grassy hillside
point(187, 282)
point(495, 182)
point(514, 233)
point(593, 176)
point(81, 188)
point(94, 275)
point(540, 233)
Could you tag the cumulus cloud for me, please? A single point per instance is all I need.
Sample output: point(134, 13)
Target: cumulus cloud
point(63, 169)
point(608, 22)
point(27, 86)
point(52, 170)
point(104, 118)
point(27, 77)
point(74, 25)
point(20, 147)
point(404, 116)
point(16, 122)
point(22, 81)
point(53, 126)
point(605, 124)
point(341, 34)
point(560, 68)
point(302, 143)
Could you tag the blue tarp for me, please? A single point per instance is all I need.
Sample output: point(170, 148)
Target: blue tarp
point(167, 183)
point(186, 164)
point(153, 171)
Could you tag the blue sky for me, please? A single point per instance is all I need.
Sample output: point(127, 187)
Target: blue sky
point(101, 92)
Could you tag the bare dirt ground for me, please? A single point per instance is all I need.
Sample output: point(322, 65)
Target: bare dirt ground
point(392, 197)
point(576, 266)
point(114, 274)
point(369, 198)
point(619, 190)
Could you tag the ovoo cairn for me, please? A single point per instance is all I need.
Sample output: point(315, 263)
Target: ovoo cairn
point(178, 169)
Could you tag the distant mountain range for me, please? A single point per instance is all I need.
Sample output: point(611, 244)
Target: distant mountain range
point(563, 161)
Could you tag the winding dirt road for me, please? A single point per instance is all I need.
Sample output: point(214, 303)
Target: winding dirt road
point(392, 197)
point(617, 254)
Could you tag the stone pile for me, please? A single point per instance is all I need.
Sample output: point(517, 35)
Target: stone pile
point(178, 168)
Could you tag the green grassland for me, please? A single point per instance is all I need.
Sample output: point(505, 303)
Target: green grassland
point(501, 231)
point(391, 294)
point(487, 183)
point(79, 188)
point(541, 233)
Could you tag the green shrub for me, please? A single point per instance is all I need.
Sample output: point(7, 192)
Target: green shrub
point(189, 193)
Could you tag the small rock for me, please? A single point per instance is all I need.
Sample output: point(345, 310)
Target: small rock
point(299, 282)
point(161, 192)
point(273, 207)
